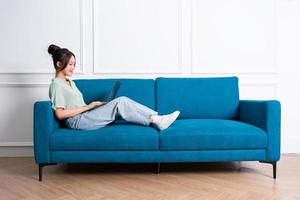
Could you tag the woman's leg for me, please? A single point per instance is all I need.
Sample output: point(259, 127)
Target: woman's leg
point(133, 111)
point(124, 107)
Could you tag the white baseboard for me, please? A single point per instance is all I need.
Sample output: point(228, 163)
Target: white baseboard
point(13, 151)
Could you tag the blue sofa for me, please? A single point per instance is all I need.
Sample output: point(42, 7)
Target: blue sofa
point(214, 126)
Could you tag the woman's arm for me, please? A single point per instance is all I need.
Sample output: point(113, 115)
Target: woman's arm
point(62, 114)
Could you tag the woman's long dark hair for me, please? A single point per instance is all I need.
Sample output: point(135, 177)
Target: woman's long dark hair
point(61, 55)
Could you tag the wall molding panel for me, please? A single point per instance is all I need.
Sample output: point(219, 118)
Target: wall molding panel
point(22, 40)
point(146, 30)
point(234, 36)
point(16, 123)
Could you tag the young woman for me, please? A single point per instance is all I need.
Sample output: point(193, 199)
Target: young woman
point(69, 106)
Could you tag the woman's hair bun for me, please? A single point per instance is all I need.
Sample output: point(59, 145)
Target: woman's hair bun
point(52, 48)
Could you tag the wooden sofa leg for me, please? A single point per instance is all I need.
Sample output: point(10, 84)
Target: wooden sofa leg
point(274, 163)
point(41, 170)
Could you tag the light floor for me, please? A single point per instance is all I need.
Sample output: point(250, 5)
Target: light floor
point(231, 180)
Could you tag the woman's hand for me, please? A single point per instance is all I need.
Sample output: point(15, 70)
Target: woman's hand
point(96, 104)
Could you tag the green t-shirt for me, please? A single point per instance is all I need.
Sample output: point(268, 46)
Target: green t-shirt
point(62, 95)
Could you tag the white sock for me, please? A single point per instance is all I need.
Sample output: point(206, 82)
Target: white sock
point(155, 118)
point(162, 122)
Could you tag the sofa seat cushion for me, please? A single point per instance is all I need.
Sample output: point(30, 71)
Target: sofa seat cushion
point(113, 137)
point(198, 134)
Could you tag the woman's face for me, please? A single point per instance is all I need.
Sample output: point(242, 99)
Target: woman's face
point(68, 71)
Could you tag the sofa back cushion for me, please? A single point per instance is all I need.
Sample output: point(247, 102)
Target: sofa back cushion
point(140, 90)
point(215, 97)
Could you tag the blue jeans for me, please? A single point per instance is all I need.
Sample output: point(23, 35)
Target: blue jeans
point(99, 117)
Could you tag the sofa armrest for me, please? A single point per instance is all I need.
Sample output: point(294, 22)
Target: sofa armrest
point(44, 123)
point(265, 114)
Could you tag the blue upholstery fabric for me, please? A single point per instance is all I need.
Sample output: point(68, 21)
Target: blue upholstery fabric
point(45, 123)
point(265, 114)
point(140, 90)
point(198, 97)
point(112, 137)
point(202, 134)
point(157, 156)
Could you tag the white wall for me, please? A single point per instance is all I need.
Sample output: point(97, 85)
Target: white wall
point(256, 40)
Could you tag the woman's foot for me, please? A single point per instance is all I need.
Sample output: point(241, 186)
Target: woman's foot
point(162, 122)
